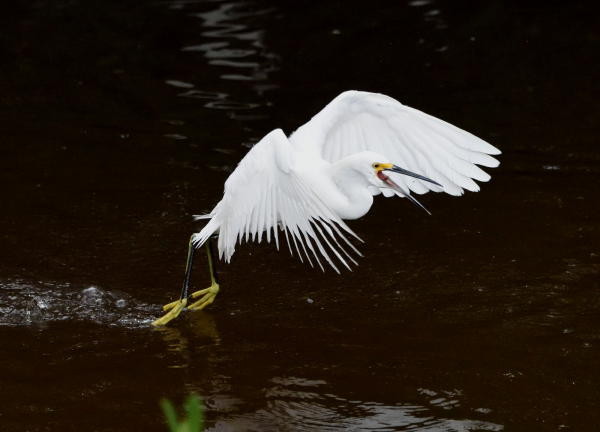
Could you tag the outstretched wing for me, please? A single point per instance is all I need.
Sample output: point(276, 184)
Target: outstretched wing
point(358, 121)
point(263, 194)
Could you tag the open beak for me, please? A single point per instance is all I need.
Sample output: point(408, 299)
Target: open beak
point(397, 169)
point(394, 186)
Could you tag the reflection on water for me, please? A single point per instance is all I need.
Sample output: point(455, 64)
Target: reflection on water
point(201, 332)
point(434, 17)
point(23, 303)
point(235, 47)
point(218, 100)
point(300, 404)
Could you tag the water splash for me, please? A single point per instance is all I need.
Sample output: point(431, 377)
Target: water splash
point(37, 303)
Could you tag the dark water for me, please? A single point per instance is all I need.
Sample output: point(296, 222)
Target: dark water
point(120, 119)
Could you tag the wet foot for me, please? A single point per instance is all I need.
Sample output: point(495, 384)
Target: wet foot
point(207, 296)
point(173, 310)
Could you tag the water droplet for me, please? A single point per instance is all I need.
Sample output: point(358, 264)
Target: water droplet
point(92, 296)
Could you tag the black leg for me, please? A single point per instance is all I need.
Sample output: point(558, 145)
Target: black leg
point(173, 309)
point(188, 269)
point(207, 296)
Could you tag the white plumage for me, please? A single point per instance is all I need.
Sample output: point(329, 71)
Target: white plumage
point(307, 184)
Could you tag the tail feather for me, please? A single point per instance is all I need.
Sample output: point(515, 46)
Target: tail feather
point(209, 229)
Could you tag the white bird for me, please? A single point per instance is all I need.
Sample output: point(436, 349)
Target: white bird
point(328, 171)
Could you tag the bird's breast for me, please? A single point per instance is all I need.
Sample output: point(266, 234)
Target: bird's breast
point(355, 207)
point(348, 202)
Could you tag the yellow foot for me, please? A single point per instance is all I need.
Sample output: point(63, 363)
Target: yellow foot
point(174, 309)
point(208, 296)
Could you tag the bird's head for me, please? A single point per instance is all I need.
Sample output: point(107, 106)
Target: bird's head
point(372, 168)
point(378, 175)
point(378, 178)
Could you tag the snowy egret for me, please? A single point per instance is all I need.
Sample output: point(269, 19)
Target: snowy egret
point(360, 145)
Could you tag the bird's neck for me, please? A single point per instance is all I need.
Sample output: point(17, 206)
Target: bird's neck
point(353, 186)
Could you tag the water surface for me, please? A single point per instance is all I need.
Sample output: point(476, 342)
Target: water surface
point(122, 119)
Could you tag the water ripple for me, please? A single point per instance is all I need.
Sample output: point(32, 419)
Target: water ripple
point(236, 48)
point(302, 405)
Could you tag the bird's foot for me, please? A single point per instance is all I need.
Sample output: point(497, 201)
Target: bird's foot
point(207, 296)
point(173, 310)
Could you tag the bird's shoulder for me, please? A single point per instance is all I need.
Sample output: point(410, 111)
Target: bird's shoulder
point(358, 101)
point(272, 155)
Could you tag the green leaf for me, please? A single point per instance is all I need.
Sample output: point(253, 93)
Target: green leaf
point(193, 408)
point(170, 414)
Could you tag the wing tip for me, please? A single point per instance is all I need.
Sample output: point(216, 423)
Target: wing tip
point(495, 151)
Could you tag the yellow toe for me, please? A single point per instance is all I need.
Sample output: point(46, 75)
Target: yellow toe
point(201, 304)
point(171, 305)
point(208, 297)
point(175, 309)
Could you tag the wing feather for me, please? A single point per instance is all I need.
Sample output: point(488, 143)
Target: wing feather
point(361, 121)
point(265, 193)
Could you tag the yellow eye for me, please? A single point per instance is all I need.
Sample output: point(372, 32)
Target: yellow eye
point(375, 165)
